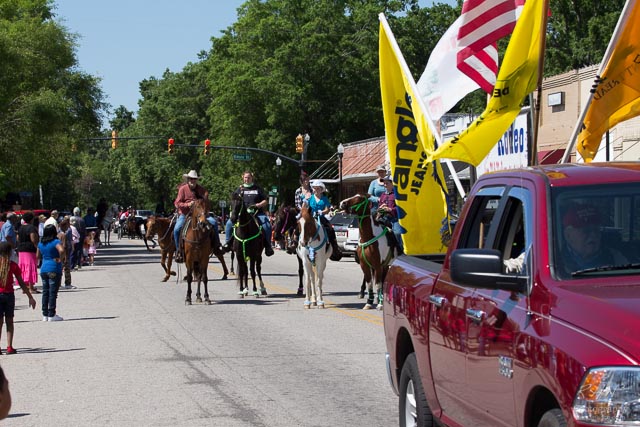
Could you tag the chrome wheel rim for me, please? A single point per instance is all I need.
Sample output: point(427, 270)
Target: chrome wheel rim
point(410, 415)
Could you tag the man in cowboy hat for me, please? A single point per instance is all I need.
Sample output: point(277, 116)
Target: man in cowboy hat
point(187, 195)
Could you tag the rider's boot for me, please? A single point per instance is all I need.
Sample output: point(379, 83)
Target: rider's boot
point(268, 249)
point(336, 254)
point(178, 256)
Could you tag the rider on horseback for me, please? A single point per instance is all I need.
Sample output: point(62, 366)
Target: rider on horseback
point(187, 194)
point(252, 195)
point(319, 205)
point(387, 214)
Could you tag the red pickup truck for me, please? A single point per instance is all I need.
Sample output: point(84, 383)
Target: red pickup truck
point(532, 318)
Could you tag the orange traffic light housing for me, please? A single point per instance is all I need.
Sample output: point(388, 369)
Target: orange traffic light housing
point(114, 139)
point(171, 142)
point(299, 144)
point(207, 147)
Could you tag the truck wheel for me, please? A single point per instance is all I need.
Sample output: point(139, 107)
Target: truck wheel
point(413, 409)
point(553, 418)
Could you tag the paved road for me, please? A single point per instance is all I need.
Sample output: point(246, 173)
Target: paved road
point(131, 353)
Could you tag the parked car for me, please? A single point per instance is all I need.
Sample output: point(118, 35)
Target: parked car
point(340, 223)
point(353, 238)
point(144, 214)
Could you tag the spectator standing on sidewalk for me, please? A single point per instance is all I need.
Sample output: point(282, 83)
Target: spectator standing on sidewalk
point(27, 246)
point(77, 258)
point(8, 271)
point(66, 238)
point(50, 252)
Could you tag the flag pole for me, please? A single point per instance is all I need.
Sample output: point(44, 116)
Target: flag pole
point(414, 88)
point(536, 109)
point(622, 21)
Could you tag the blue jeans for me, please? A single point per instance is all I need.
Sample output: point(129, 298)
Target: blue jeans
point(180, 222)
point(266, 229)
point(50, 284)
point(397, 231)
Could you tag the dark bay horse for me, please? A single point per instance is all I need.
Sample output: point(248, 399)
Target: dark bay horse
point(374, 251)
point(247, 245)
point(163, 227)
point(285, 234)
point(196, 234)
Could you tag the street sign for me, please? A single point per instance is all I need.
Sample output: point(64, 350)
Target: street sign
point(242, 156)
point(222, 204)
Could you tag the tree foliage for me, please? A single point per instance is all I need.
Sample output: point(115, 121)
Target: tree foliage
point(284, 67)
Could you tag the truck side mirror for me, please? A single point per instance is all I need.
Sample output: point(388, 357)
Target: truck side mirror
point(483, 268)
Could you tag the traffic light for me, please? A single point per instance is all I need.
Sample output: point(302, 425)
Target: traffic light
point(114, 139)
point(207, 146)
point(299, 144)
point(171, 142)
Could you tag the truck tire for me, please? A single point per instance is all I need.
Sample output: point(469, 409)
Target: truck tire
point(413, 409)
point(553, 418)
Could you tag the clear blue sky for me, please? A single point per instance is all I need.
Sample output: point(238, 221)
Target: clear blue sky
point(126, 41)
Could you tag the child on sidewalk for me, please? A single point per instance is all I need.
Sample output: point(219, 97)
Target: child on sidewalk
point(9, 270)
point(90, 245)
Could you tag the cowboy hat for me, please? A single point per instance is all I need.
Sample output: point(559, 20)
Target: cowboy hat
point(192, 174)
point(381, 168)
point(388, 178)
point(318, 183)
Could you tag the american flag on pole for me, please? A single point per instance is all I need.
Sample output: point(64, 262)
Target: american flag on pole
point(484, 22)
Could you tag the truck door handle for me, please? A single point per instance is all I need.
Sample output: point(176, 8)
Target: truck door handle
point(437, 300)
point(476, 315)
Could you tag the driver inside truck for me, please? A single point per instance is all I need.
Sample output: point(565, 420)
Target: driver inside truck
point(584, 247)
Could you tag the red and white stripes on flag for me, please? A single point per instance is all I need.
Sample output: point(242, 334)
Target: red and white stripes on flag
point(484, 22)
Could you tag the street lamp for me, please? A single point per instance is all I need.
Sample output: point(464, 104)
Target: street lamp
point(340, 154)
point(278, 164)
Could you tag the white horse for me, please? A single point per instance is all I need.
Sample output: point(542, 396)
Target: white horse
point(314, 250)
point(107, 222)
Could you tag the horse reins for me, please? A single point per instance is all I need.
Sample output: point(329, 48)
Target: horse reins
point(364, 245)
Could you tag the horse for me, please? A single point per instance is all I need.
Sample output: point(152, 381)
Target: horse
point(374, 251)
point(196, 237)
point(107, 222)
point(284, 233)
point(133, 226)
point(247, 245)
point(314, 250)
point(163, 227)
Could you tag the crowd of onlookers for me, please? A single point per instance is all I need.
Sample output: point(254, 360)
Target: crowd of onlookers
point(34, 247)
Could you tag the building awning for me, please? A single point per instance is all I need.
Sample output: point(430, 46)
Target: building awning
point(550, 157)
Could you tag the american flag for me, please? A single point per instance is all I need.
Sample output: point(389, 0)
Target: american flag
point(484, 22)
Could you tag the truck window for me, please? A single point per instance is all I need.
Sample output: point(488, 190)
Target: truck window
point(597, 230)
point(482, 211)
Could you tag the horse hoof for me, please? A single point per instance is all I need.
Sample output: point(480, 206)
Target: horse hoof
point(224, 277)
point(256, 294)
point(361, 295)
point(173, 273)
point(207, 301)
point(165, 279)
point(321, 304)
point(307, 304)
point(187, 302)
point(367, 306)
point(379, 307)
point(300, 292)
point(199, 300)
point(263, 292)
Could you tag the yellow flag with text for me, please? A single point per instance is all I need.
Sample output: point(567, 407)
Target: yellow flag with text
point(617, 96)
point(420, 190)
point(517, 77)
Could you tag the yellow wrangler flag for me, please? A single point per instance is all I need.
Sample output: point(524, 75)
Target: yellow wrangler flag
point(617, 96)
point(518, 76)
point(420, 191)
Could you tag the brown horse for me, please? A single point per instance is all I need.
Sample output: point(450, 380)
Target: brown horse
point(247, 245)
point(374, 251)
point(163, 227)
point(196, 236)
point(285, 234)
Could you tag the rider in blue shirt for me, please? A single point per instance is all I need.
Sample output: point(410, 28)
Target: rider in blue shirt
point(320, 205)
